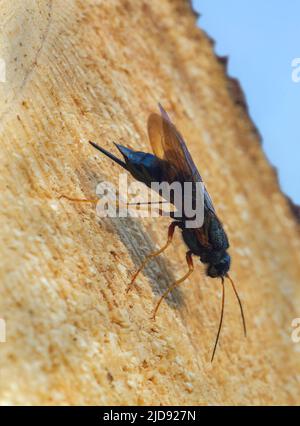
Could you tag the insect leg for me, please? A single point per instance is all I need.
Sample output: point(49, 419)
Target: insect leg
point(161, 212)
point(79, 200)
point(148, 203)
point(155, 253)
point(189, 261)
point(86, 200)
point(95, 200)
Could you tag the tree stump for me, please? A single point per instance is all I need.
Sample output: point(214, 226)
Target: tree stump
point(94, 70)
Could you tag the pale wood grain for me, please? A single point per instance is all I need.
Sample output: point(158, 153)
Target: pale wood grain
point(95, 70)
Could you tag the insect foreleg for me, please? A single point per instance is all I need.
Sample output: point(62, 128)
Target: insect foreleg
point(79, 200)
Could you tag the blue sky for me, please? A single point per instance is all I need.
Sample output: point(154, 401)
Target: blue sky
point(261, 38)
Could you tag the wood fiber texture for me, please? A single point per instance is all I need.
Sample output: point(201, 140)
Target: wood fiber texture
point(94, 70)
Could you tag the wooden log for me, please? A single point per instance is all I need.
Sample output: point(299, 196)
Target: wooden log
point(81, 70)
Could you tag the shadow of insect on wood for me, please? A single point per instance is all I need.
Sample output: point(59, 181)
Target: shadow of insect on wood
point(138, 243)
point(159, 270)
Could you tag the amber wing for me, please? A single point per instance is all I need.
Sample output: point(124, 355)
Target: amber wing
point(168, 145)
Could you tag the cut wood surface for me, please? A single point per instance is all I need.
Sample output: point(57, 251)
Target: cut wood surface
point(94, 70)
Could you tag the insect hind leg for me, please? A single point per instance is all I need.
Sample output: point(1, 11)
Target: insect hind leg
point(189, 261)
point(155, 253)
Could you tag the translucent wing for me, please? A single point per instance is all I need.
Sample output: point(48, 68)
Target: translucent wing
point(168, 145)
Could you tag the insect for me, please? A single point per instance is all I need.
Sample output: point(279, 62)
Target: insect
point(171, 162)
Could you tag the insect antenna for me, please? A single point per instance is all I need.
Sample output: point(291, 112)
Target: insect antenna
point(240, 303)
point(221, 320)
